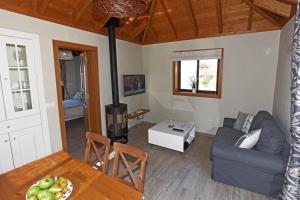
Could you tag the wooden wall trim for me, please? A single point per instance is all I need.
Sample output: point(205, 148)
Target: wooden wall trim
point(93, 88)
point(175, 74)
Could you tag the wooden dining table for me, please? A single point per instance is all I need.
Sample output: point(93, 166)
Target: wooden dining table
point(88, 183)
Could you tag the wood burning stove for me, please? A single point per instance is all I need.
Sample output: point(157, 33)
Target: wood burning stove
point(116, 113)
point(116, 122)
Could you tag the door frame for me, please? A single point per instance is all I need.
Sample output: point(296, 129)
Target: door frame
point(93, 90)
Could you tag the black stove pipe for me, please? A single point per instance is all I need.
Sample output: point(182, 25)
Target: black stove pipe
point(111, 27)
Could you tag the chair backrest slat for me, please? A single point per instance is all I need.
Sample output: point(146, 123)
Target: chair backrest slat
point(141, 159)
point(92, 140)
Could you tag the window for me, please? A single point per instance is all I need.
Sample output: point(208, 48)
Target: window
point(198, 73)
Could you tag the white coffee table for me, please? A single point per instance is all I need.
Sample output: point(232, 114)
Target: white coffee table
point(164, 136)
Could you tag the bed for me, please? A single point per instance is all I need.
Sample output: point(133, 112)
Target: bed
point(73, 108)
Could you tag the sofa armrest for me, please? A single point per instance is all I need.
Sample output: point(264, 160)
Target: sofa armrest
point(249, 157)
point(229, 122)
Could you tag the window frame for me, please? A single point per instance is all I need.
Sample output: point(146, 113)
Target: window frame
point(199, 93)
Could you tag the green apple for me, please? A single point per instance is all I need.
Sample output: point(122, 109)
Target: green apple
point(32, 192)
point(32, 198)
point(45, 195)
point(46, 183)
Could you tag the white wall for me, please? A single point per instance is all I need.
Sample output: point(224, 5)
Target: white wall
point(250, 64)
point(129, 62)
point(282, 97)
point(73, 75)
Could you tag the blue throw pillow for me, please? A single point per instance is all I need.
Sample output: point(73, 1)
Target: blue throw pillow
point(77, 96)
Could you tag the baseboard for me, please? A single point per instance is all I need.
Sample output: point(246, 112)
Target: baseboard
point(205, 134)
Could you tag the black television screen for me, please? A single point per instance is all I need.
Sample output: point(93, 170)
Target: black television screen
point(134, 84)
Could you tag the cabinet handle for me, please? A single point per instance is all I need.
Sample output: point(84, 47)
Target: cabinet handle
point(14, 139)
point(7, 126)
point(5, 79)
point(6, 141)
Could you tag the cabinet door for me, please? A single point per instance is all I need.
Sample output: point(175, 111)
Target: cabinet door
point(6, 159)
point(27, 145)
point(17, 68)
point(2, 110)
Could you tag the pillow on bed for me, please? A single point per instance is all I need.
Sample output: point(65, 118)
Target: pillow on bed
point(77, 96)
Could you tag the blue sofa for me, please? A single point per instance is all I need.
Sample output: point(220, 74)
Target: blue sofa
point(261, 169)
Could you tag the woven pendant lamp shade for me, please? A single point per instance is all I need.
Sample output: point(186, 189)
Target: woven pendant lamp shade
point(122, 8)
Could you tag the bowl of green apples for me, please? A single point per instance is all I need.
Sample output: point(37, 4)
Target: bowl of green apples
point(50, 188)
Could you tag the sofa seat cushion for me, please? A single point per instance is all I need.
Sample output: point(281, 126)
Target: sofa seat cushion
point(271, 139)
point(228, 136)
point(225, 136)
point(250, 158)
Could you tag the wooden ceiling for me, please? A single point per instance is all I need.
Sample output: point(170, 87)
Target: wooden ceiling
point(166, 20)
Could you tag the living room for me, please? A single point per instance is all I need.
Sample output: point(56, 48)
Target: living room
point(253, 74)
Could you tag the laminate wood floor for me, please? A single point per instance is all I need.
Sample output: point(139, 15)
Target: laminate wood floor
point(172, 175)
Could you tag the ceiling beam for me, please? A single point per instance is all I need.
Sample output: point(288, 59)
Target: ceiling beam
point(219, 15)
point(77, 13)
point(44, 6)
point(149, 18)
point(102, 24)
point(276, 7)
point(250, 19)
point(168, 17)
point(191, 13)
point(263, 13)
point(138, 30)
point(292, 1)
point(154, 32)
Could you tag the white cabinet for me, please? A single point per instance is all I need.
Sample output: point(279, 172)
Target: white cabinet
point(18, 77)
point(24, 133)
point(2, 110)
point(6, 159)
point(27, 145)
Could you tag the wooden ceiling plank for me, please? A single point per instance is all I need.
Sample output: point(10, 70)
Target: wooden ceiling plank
point(168, 17)
point(35, 6)
point(149, 19)
point(192, 16)
point(124, 27)
point(44, 5)
point(219, 15)
point(262, 13)
point(276, 7)
point(77, 13)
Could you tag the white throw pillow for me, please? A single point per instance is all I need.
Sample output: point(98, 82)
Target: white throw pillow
point(248, 140)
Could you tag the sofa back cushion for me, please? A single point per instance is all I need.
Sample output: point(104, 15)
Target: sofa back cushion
point(271, 139)
point(259, 118)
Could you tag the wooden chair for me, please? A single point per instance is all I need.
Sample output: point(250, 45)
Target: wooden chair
point(101, 146)
point(130, 168)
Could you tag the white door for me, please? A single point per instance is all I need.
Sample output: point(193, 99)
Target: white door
point(17, 68)
point(27, 145)
point(2, 110)
point(6, 159)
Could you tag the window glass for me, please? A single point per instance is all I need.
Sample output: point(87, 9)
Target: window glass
point(188, 71)
point(208, 75)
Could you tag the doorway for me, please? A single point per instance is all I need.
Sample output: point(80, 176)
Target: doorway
point(77, 83)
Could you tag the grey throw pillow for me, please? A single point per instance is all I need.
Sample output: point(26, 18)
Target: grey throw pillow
point(243, 122)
